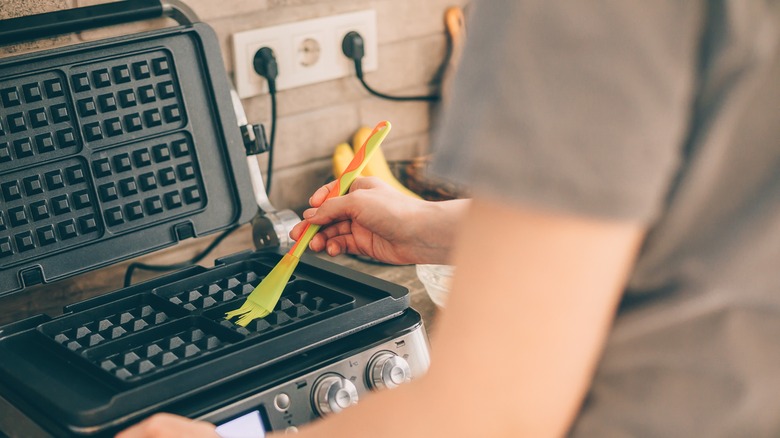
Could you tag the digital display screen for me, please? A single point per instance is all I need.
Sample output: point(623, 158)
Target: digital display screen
point(249, 425)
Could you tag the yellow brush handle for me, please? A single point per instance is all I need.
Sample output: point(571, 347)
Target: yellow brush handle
point(352, 171)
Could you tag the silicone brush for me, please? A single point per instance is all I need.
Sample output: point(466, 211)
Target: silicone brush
point(261, 302)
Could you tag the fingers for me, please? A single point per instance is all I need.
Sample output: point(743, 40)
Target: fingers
point(299, 228)
point(319, 196)
point(334, 210)
point(338, 209)
point(365, 183)
point(320, 239)
point(336, 239)
point(335, 248)
point(317, 243)
point(342, 244)
point(361, 183)
point(332, 246)
point(167, 425)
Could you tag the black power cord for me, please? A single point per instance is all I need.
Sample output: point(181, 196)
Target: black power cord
point(265, 65)
point(163, 268)
point(354, 48)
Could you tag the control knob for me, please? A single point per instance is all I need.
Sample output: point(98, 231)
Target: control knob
point(388, 370)
point(333, 393)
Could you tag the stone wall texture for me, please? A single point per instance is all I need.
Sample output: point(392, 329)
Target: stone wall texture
point(314, 118)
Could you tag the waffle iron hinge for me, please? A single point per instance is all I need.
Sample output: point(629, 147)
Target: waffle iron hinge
point(255, 140)
point(270, 226)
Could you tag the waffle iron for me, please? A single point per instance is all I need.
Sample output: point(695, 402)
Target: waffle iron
point(120, 147)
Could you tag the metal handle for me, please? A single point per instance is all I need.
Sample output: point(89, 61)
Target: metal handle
point(33, 27)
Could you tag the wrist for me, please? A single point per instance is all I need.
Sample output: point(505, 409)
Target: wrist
point(436, 225)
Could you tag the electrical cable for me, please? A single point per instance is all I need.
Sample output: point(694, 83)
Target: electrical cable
point(270, 168)
point(431, 98)
point(163, 268)
point(353, 47)
point(264, 63)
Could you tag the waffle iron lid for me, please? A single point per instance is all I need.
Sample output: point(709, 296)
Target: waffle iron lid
point(113, 149)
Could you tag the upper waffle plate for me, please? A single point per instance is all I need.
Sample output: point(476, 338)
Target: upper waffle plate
point(112, 149)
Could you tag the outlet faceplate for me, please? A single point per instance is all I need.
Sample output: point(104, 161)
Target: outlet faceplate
point(306, 52)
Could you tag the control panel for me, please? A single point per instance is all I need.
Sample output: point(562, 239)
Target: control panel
point(336, 386)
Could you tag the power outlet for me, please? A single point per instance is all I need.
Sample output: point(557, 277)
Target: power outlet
point(306, 52)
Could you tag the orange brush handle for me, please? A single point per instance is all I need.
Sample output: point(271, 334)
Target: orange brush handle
point(349, 175)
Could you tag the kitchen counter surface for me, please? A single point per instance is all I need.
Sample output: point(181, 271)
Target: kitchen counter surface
point(405, 276)
point(51, 298)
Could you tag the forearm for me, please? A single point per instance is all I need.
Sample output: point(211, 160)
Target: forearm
point(516, 346)
point(530, 314)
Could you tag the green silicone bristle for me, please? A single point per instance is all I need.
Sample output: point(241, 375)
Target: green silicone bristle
point(263, 299)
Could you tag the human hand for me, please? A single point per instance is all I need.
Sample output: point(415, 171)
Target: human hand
point(168, 425)
point(375, 220)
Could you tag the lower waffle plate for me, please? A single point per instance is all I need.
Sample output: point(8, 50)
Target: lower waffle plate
point(169, 336)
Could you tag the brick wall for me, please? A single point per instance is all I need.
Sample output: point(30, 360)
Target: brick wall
point(313, 119)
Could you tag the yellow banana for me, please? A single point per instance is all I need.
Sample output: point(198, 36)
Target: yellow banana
point(360, 137)
point(377, 166)
point(342, 156)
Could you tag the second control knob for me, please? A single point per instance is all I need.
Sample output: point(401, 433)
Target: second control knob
point(333, 393)
point(388, 370)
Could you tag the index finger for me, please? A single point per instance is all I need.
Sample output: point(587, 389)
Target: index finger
point(319, 196)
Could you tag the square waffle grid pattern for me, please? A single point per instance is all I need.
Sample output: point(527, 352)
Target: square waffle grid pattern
point(183, 341)
point(138, 182)
point(302, 301)
point(214, 288)
point(36, 120)
point(110, 322)
point(120, 97)
point(147, 335)
point(50, 208)
point(49, 117)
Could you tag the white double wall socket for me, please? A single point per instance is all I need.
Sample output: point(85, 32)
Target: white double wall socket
point(306, 52)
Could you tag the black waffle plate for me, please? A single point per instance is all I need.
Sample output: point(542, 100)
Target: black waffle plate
point(113, 149)
point(110, 321)
point(137, 338)
point(182, 342)
point(129, 349)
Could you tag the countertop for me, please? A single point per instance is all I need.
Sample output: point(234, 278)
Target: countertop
point(51, 298)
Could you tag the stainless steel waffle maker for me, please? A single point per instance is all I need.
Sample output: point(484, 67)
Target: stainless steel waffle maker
point(120, 147)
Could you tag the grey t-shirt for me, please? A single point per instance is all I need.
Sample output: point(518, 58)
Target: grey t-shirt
point(665, 112)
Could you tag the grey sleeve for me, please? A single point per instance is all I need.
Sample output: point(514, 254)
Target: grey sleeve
point(575, 106)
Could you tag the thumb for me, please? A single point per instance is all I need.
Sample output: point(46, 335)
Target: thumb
point(319, 196)
point(365, 183)
point(333, 210)
point(362, 182)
